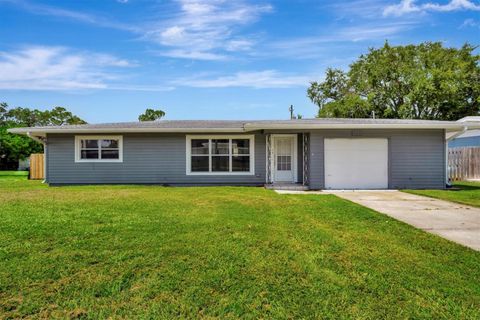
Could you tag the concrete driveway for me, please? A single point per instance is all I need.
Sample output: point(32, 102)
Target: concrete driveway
point(452, 221)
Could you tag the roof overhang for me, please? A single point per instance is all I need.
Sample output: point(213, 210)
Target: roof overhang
point(451, 128)
point(42, 132)
point(273, 126)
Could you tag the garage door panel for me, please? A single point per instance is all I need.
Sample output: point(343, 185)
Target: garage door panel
point(356, 163)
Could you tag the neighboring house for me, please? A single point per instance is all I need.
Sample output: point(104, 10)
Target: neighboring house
point(313, 153)
point(468, 139)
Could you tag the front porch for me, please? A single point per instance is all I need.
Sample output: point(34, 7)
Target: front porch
point(287, 186)
point(287, 161)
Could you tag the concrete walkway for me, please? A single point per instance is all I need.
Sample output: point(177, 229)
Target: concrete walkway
point(456, 222)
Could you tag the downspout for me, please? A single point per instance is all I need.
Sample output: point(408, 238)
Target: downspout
point(447, 181)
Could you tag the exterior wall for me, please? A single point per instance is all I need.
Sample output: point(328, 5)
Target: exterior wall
point(149, 158)
point(416, 160)
point(416, 157)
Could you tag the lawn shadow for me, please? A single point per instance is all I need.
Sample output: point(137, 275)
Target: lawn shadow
point(465, 186)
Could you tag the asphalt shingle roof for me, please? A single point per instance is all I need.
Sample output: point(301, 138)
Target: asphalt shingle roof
point(238, 124)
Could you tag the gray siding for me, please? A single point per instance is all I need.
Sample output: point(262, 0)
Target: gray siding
point(147, 159)
point(416, 160)
point(416, 157)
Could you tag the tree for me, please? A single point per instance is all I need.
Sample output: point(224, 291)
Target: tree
point(14, 147)
point(56, 117)
point(3, 111)
point(151, 115)
point(59, 116)
point(425, 81)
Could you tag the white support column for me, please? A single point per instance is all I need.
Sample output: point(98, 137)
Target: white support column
point(268, 158)
point(305, 151)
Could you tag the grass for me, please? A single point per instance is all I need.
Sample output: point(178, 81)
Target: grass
point(463, 192)
point(13, 173)
point(221, 252)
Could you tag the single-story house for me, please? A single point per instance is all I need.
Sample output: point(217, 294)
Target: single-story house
point(470, 138)
point(309, 153)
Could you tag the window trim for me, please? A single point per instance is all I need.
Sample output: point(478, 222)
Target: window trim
point(78, 147)
point(188, 153)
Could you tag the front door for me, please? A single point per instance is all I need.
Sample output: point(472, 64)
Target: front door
point(284, 150)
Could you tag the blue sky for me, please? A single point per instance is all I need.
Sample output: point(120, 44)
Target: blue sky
point(108, 60)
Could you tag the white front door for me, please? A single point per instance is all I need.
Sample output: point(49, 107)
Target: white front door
point(284, 159)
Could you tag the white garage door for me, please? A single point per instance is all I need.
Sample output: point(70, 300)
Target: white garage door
point(356, 163)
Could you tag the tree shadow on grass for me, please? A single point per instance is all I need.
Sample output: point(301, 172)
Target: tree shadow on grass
point(465, 186)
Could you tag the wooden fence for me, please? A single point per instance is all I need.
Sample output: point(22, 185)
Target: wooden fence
point(37, 166)
point(463, 163)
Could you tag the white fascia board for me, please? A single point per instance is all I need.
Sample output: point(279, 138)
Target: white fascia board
point(472, 125)
point(251, 127)
point(43, 131)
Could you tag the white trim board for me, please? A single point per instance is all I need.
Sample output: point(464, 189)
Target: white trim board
point(109, 137)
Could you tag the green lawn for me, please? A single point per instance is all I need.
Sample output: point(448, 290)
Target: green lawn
point(13, 173)
point(157, 252)
point(463, 192)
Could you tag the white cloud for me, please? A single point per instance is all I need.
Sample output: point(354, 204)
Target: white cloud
point(46, 10)
point(254, 79)
point(470, 23)
point(239, 45)
point(373, 31)
point(453, 5)
point(197, 29)
point(194, 55)
point(205, 30)
point(321, 45)
point(411, 6)
point(345, 10)
point(58, 68)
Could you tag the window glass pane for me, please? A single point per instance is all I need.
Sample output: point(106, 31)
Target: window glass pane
point(284, 163)
point(89, 144)
point(199, 146)
point(109, 143)
point(220, 163)
point(241, 163)
point(220, 146)
point(89, 154)
point(199, 164)
point(110, 154)
point(240, 146)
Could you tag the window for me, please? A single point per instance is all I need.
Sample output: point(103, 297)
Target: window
point(217, 155)
point(98, 149)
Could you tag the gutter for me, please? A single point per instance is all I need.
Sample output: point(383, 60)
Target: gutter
point(43, 132)
point(248, 127)
point(252, 126)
